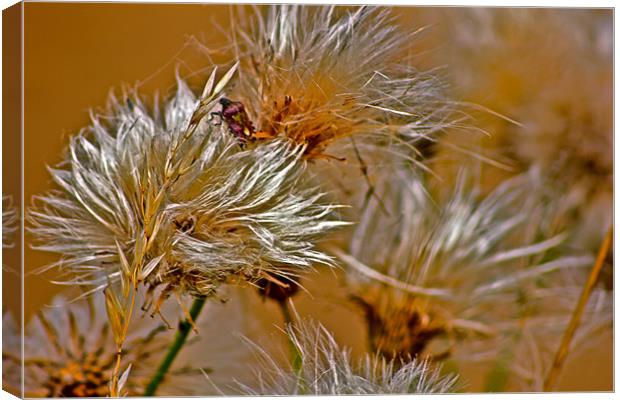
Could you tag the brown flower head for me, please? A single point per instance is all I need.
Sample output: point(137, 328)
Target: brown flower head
point(318, 75)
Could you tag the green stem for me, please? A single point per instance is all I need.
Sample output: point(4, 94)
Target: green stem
point(289, 321)
point(295, 355)
point(185, 327)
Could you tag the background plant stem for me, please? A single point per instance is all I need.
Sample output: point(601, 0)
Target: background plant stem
point(185, 327)
point(562, 352)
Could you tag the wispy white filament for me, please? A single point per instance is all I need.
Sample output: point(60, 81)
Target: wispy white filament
point(207, 209)
point(328, 369)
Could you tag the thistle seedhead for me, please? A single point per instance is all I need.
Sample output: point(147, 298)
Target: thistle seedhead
point(172, 200)
point(317, 75)
point(69, 351)
point(556, 80)
point(456, 267)
point(328, 369)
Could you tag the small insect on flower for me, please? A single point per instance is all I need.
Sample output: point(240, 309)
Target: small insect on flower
point(239, 124)
point(170, 200)
point(318, 75)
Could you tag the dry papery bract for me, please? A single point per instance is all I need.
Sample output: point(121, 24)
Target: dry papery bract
point(338, 80)
point(443, 270)
point(172, 199)
point(327, 368)
point(69, 352)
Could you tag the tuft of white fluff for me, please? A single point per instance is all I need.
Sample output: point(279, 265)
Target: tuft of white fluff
point(470, 265)
point(171, 198)
point(328, 369)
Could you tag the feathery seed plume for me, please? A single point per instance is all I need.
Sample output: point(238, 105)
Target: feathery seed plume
point(328, 369)
point(172, 200)
point(318, 75)
point(447, 269)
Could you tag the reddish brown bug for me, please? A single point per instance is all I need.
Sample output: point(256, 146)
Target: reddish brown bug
point(239, 124)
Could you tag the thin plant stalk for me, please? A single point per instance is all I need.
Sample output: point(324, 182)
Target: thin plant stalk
point(562, 352)
point(117, 368)
point(185, 327)
point(286, 312)
point(172, 173)
point(120, 333)
point(289, 321)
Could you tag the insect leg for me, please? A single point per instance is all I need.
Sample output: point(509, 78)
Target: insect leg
point(216, 114)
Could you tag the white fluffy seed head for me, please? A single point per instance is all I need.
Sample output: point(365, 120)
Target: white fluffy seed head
point(556, 80)
point(318, 75)
point(173, 199)
point(326, 368)
point(457, 264)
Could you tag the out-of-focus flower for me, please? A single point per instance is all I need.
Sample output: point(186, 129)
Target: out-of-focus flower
point(10, 220)
point(318, 75)
point(556, 79)
point(173, 200)
point(327, 369)
point(69, 351)
point(445, 269)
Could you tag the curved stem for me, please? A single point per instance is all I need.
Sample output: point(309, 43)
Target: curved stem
point(562, 352)
point(185, 327)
